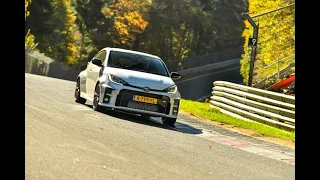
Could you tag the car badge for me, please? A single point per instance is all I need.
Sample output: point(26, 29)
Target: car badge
point(146, 89)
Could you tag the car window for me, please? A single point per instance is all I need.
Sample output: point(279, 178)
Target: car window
point(137, 62)
point(101, 55)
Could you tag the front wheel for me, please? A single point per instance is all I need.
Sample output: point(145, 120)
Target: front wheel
point(96, 97)
point(144, 116)
point(77, 96)
point(169, 121)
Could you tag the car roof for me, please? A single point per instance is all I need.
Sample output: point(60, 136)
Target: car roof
point(130, 51)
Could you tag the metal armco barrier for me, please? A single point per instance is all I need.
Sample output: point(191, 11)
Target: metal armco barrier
point(37, 63)
point(255, 104)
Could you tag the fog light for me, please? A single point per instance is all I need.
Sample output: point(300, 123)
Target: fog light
point(106, 99)
point(175, 110)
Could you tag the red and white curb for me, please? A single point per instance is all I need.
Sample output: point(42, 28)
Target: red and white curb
point(249, 147)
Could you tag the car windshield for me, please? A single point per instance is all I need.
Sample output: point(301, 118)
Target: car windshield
point(137, 62)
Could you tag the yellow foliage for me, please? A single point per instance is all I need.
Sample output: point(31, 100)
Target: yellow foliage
point(247, 24)
point(276, 35)
point(135, 19)
point(73, 53)
point(245, 34)
point(127, 19)
point(27, 3)
point(30, 41)
point(68, 32)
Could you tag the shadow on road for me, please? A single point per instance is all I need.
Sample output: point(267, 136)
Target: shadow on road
point(180, 127)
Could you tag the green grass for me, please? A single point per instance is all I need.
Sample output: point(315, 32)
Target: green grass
point(203, 110)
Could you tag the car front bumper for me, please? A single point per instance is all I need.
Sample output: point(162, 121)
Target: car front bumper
point(121, 97)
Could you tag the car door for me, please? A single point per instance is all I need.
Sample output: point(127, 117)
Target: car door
point(93, 73)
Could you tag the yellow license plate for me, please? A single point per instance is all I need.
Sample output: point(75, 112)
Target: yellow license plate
point(145, 99)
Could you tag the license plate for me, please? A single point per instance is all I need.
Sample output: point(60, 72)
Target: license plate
point(145, 99)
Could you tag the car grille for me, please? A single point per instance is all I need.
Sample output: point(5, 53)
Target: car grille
point(125, 99)
point(142, 88)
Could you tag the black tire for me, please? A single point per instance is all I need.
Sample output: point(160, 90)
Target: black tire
point(96, 97)
point(169, 121)
point(77, 97)
point(144, 116)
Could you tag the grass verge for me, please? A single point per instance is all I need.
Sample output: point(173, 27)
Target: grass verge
point(203, 110)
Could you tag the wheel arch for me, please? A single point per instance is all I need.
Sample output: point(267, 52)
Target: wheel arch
point(97, 83)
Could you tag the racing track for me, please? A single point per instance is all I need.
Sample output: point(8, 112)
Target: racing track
point(66, 140)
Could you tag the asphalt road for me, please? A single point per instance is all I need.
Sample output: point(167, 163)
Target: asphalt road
point(66, 140)
point(198, 87)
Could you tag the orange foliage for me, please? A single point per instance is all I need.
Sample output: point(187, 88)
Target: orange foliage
point(127, 19)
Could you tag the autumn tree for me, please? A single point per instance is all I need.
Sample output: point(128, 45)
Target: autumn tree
point(128, 20)
point(29, 38)
point(72, 31)
point(275, 40)
point(54, 24)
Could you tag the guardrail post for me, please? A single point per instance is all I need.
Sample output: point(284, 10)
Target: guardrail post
point(278, 77)
point(253, 45)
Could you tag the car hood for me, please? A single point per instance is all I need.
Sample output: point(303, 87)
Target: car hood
point(141, 79)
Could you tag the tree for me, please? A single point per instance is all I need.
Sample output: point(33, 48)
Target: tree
point(72, 31)
point(128, 21)
point(54, 23)
point(275, 40)
point(29, 38)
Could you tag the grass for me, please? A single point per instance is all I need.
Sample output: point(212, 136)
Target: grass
point(203, 110)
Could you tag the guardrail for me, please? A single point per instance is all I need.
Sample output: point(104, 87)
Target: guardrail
point(201, 60)
point(264, 106)
point(37, 63)
point(267, 82)
point(270, 80)
point(212, 66)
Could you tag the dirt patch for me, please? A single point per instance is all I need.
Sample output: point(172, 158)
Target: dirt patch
point(248, 132)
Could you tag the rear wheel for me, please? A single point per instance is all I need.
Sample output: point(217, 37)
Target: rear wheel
point(96, 97)
point(77, 96)
point(169, 121)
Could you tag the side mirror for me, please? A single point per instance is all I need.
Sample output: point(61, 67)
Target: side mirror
point(175, 75)
point(97, 62)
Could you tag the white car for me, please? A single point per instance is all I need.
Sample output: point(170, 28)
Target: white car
point(131, 81)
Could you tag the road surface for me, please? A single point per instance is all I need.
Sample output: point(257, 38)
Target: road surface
point(66, 140)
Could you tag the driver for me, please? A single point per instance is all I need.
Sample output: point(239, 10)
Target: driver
point(146, 65)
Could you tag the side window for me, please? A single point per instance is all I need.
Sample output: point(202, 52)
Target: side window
point(97, 55)
point(101, 55)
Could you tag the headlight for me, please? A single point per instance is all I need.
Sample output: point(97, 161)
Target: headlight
point(172, 89)
point(116, 79)
point(104, 78)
